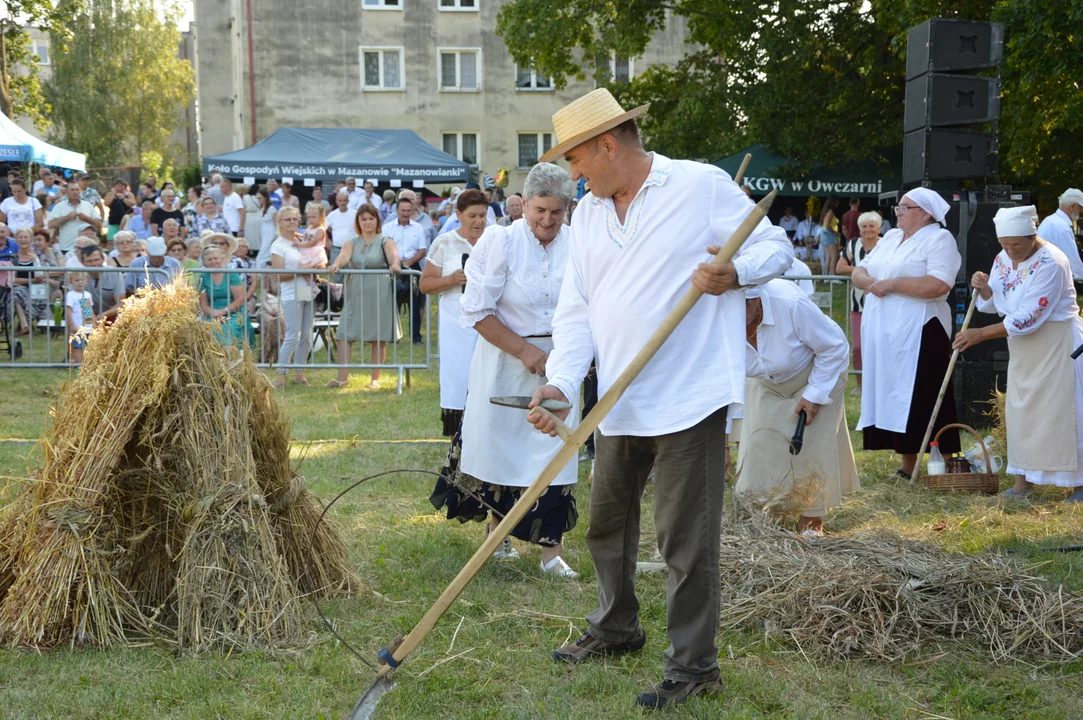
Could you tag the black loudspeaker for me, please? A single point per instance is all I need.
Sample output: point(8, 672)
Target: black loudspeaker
point(939, 100)
point(947, 155)
point(943, 45)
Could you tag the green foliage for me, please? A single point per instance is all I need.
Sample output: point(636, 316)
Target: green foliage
point(20, 87)
point(188, 176)
point(119, 89)
point(818, 81)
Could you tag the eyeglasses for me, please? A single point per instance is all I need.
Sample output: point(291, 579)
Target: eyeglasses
point(903, 208)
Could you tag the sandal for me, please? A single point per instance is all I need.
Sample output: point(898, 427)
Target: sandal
point(374, 385)
point(336, 384)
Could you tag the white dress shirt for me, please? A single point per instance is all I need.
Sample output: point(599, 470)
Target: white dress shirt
point(806, 228)
point(232, 207)
point(793, 332)
point(67, 232)
point(408, 239)
point(623, 279)
point(512, 276)
point(357, 199)
point(789, 224)
point(1057, 229)
point(342, 226)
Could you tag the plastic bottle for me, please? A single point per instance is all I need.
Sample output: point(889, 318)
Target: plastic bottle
point(58, 312)
point(936, 464)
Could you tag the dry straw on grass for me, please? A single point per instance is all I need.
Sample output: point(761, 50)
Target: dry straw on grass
point(166, 505)
point(885, 598)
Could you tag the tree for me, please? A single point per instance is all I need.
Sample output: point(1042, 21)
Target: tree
point(119, 89)
point(20, 89)
point(818, 81)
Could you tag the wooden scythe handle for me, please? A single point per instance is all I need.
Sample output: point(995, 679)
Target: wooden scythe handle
point(573, 442)
point(940, 398)
point(741, 170)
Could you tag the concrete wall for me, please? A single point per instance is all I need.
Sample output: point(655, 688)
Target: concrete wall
point(308, 73)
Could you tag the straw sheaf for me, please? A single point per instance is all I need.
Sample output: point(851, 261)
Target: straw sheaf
point(166, 506)
point(586, 118)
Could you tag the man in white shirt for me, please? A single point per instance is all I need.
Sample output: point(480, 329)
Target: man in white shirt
point(341, 222)
point(357, 197)
point(788, 222)
point(71, 214)
point(368, 195)
point(1059, 228)
point(421, 217)
point(410, 240)
point(635, 252)
point(232, 207)
point(804, 237)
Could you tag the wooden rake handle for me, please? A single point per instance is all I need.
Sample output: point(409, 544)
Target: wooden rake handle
point(943, 389)
point(572, 443)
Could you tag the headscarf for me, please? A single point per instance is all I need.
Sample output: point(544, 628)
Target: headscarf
point(930, 202)
point(1016, 221)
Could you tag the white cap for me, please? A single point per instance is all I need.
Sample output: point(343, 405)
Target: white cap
point(930, 202)
point(1072, 195)
point(155, 246)
point(1016, 221)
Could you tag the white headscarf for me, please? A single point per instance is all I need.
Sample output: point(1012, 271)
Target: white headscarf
point(930, 202)
point(1016, 221)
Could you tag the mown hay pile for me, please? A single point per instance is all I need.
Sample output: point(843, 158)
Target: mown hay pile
point(166, 505)
point(885, 598)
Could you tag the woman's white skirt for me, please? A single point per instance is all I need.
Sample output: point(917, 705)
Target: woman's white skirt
point(499, 446)
point(456, 351)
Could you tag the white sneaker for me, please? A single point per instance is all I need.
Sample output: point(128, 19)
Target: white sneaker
point(558, 567)
point(506, 551)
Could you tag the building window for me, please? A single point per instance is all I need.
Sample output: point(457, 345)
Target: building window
point(615, 69)
point(528, 79)
point(463, 145)
point(40, 48)
point(382, 68)
point(381, 4)
point(532, 146)
point(459, 5)
point(460, 69)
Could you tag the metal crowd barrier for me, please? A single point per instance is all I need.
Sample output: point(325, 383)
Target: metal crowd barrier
point(44, 310)
point(256, 315)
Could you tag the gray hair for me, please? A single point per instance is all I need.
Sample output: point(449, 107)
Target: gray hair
point(548, 180)
point(870, 217)
point(190, 242)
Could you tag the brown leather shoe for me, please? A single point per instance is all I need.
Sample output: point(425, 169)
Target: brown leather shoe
point(674, 692)
point(588, 646)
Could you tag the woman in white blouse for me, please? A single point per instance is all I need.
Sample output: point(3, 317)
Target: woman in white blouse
point(1031, 287)
point(512, 283)
point(795, 358)
point(444, 275)
point(906, 330)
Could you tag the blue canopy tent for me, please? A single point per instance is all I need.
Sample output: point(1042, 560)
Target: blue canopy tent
point(17, 145)
point(337, 153)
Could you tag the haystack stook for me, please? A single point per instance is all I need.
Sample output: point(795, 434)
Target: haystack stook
point(166, 505)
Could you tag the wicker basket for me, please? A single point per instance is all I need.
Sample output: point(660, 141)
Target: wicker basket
point(985, 483)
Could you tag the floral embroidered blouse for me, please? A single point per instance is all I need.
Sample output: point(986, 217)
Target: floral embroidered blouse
point(1039, 290)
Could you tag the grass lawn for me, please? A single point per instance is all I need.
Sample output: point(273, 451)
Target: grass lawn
point(489, 657)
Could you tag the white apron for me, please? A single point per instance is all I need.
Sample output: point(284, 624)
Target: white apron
point(891, 339)
point(765, 468)
point(499, 446)
point(456, 344)
point(1044, 423)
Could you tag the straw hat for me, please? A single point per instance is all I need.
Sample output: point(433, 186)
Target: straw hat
point(208, 237)
point(586, 118)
